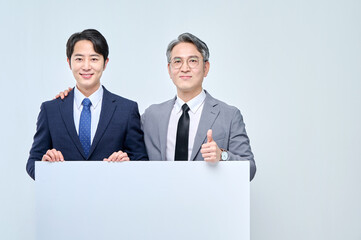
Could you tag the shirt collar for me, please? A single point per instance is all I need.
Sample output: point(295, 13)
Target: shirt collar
point(193, 104)
point(94, 98)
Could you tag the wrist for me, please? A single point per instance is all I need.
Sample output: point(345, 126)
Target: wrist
point(224, 156)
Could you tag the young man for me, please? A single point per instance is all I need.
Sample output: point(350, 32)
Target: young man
point(91, 123)
point(194, 125)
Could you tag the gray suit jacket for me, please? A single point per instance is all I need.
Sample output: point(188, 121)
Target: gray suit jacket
point(225, 121)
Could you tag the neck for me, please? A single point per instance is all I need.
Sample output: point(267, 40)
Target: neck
point(88, 91)
point(187, 96)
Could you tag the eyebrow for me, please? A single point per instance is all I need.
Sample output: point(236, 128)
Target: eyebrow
point(82, 55)
point(188, 57)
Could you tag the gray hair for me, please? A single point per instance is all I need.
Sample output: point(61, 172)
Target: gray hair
point(189, 38)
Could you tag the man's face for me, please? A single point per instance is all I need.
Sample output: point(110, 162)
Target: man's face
point(187, 80)
point(87, 66)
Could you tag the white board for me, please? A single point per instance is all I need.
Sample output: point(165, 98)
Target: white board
point(143, 200)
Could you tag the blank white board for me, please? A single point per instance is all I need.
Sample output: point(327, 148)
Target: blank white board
point(143, 200)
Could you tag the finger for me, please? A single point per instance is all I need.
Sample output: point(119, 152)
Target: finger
point(208, 147)
point(209, 136)
point(210, 159)
point(67, 91)
point(46, 158)
point(121, 156)
point(205, 146)
point(125, 157)
point(205, 150)
point(61, 158)
point(112, 157)
point(56, 155)
point(61, 94)
point(50, 153)
point(117, 157)
point(206, 155)
point(209, 155)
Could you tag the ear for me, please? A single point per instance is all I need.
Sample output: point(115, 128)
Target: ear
point(68, 60)
point(106, 63)
point(206, 68)
point(168, 66)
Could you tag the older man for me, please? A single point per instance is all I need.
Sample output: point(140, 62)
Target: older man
point(194, 125)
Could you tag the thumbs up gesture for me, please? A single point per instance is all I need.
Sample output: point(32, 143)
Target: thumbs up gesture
point(210, 150)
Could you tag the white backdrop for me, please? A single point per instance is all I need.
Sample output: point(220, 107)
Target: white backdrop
point(293, 68)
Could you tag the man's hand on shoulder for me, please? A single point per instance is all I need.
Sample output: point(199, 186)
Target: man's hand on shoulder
point(62, 95)
point(117, 157)
point(210, 150)
point(52, 155)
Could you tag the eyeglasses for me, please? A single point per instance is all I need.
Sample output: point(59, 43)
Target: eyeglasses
point(177, 62)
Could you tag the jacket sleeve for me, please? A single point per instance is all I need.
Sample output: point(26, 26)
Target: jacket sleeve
point(42, 142)
point(239, 145)
point(134, 140)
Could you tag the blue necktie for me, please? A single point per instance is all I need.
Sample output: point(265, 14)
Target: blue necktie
point(85, 125)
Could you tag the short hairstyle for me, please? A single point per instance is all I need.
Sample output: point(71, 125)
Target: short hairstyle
point(99, 42)
point(189, 38)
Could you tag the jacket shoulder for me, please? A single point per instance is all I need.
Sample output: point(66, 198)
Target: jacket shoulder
point(120, 99)
point(51, 103)
point(222, 105)
point(158, 107)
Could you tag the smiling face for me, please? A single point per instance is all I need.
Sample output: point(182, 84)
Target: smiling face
point(87, 67)
point(187, 80)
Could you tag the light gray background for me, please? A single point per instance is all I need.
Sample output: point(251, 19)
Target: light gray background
point(292, 67)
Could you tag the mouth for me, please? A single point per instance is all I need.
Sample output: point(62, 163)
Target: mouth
point(185, 77)
point(86, 75)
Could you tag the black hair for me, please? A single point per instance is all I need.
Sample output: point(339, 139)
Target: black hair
point(99, 42)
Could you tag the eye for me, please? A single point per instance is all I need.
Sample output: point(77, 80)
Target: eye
point(94, 59)
point(78, 59)
point(177, 60)
point(193, 60)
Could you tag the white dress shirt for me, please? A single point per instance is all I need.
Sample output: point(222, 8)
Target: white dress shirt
point(95, 109)
point(195, 111)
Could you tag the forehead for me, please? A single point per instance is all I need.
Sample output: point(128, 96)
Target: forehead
point(185, 50)
point(84, 47)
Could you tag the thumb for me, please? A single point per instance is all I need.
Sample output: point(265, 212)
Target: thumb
point(209, 136)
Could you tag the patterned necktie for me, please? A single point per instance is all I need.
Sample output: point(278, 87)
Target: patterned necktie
point(181, 144)
point(84, 126)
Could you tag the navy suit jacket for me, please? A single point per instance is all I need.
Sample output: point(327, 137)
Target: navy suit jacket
point(118, 129)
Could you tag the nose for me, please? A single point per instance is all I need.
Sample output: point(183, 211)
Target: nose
point(185, 67)
point(86, 65)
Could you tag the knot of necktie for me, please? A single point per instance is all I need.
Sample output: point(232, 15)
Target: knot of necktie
point(185, 108)
point(86, 103)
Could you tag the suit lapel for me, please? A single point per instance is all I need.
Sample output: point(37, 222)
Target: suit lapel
point(106, 114)
point(209, 114)
point(163, 126)
point(66, 109)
